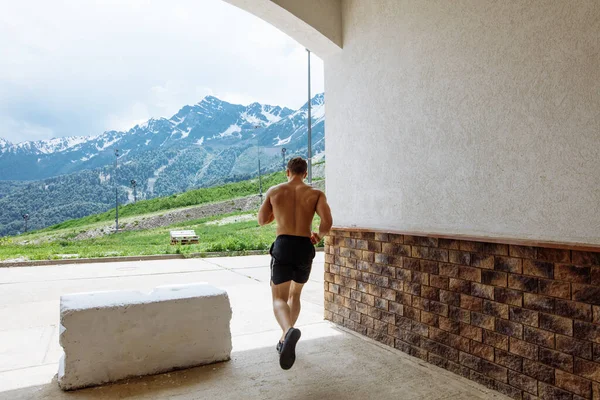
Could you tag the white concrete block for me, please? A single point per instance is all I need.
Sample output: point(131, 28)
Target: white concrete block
point(109, 336)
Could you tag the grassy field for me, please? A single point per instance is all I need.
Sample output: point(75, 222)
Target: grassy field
point(240, 233)
point(186, 199)
point(232, 236)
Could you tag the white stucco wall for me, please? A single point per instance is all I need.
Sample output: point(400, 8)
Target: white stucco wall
point(467, 117)
point(315, 24)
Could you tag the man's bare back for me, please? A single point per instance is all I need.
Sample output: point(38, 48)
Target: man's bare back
point(293, 206)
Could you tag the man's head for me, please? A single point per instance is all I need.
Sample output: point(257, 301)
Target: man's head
point(297, 166)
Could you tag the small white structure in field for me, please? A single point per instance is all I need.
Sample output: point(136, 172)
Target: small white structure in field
point(109, 336)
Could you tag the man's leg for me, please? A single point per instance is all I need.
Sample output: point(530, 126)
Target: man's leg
point(294, 301)
point(281, 309)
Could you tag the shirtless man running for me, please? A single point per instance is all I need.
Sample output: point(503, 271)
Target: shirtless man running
point(292, 205)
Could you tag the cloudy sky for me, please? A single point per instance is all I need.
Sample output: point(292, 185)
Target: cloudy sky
point(80, 67)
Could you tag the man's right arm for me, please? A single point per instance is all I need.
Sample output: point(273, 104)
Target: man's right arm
point(324, 212)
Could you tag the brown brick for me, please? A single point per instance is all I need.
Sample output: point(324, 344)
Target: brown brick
point(483, 321)
point(586, 257)
point(538, 371)
point(586, 331)
point(586, 293)
point(450, 298)
point(473, 247)
point(421, 241)
point(521, 251)
point(429, 318)
point(469, 273)
point(596, 314)
point(482, 261)
point(508, 390)
point(459, 342)
point(508, 264)
point(449, 270)
point(437, 360)
point(420, 329)
point(396, 249)
point(459, 257)
point(495, 339)
point(430, 293)
point(566, 344)
point(556, 324)
point(411, 263)
point(495, 248)
point(555, 288)
point(523, 283)
point(508, 360)
point(438, 281)
point(553, 255)
point(522, 382)
point(523, 316)
point(596, 352)
point(587, 369)
point(595, 276)
point(449, 325)
point(495, 278)
point(431, 267)
point(459, 314)
point(572, 273)
point(412, 313)
point(508, 296)
point(471, 332)
point(439, 349)
point(396, 308)
point(556, 359)
point(471, 303)
point(448, 244)
point(509, 328)
point(482, 350)
point(523, 349)
point(404, 274)
point(481, 379)
point(574, 384)
point(538, 268)
point(485, 367)
point(404, 298)
point(572, 309)
point(548, 392)
point(413, 288)
point(438, 308)
point(458, 285)
point(538, 336)
point(498, 310)
point(538, 303)
point(429, 253)
point(484, 291)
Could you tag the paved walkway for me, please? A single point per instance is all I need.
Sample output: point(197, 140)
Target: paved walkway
point(332, 363)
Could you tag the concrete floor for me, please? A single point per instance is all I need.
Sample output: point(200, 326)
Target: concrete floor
point(331, 363)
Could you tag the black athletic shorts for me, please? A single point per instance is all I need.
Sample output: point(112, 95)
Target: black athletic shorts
point(291, 259)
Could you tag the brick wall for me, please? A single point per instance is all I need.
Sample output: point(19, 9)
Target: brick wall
point(522, 320)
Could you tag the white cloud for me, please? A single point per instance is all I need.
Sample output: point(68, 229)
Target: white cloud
point(79, 67)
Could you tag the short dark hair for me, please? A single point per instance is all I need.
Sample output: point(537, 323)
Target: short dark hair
point(297, 166)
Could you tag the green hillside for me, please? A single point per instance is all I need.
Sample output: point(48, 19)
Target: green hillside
point(236, 231)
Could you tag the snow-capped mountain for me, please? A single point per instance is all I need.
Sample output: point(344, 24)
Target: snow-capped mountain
point(210, 123)
point(208, 143)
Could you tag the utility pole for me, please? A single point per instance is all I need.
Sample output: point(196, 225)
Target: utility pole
point(134, 185)
point(25, 218)
point(309, 157)
point(260, 193)
point(283, 155)
point(116, 191)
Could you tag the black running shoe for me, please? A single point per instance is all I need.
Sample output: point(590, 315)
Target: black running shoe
point(287, 356)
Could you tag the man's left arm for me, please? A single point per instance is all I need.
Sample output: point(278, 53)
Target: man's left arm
point(265, 214)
